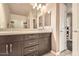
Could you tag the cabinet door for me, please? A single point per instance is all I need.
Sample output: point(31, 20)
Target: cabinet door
point(44, 45)
point(62, 28)
point(3, 49)
point(16, 48)
point(15, 45)
point(3, 46)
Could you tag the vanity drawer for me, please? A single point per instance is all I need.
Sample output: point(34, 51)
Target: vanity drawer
point(15, 38)
point(30, 50)
point(44, 35)
point(31, 36)
point(28, 43)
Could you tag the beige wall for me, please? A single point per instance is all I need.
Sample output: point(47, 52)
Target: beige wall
point(4, 15)
point(57, 25)
point(54, 8)
point(7, 13)
point(75, 31)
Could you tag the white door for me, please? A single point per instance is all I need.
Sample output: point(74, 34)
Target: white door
point(62, 27)
point(75, 32)
point(78, 27)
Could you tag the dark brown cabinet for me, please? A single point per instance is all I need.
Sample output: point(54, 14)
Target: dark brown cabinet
point(3, 46)
point(3, 49)
point(25, 45)
point(16, 49)
point(31, 45)
point(44, 45)
point(31, 50)
point(11, 45)
point(15, 45)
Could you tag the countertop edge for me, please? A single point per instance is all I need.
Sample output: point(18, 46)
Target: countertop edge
point(24, 32)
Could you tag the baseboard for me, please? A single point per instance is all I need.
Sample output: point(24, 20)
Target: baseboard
point(55, 53)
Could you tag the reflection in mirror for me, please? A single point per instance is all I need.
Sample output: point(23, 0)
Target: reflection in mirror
point(47, 18)
point(11, 24)
point(34, 23)
point(19, 15)
point(19, 21)
point(22, 15)
point(40, 21)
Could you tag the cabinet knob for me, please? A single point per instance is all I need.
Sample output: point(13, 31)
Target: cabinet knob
point(10, 48)
point(32, 42)
point(6, 48)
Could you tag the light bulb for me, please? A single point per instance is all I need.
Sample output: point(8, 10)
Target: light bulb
point(38, 8)
point(43, 6)
point(33, 7)
point(39, 5)
point(35, 4)
point(48, 12)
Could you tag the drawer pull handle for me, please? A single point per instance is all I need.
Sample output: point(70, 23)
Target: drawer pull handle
point(10, 48)
point(6, 48)
point(33, 43)
point(31, 50)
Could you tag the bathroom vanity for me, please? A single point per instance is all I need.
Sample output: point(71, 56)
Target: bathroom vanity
point(25, 44)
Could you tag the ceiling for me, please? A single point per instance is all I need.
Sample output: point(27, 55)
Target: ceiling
point(68, 4)
point(69, 7)
point(20, 8)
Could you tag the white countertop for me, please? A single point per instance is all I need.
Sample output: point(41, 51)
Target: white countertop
point(24, 31)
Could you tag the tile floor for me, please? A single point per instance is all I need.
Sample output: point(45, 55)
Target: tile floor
point(64, 53)
point(48, 54)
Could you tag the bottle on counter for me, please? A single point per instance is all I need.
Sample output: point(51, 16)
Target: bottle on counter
point(11, 24)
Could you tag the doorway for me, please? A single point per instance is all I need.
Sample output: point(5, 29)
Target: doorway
point(65, 28)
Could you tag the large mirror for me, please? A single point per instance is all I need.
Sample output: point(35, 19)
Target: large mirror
point(41, 21)
point(23, 16)
point(47, 17)
point(19, 15)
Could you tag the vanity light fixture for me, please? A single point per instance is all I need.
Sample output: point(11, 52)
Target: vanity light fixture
point(38, 5)
point(35, 5)
point(38, 8)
